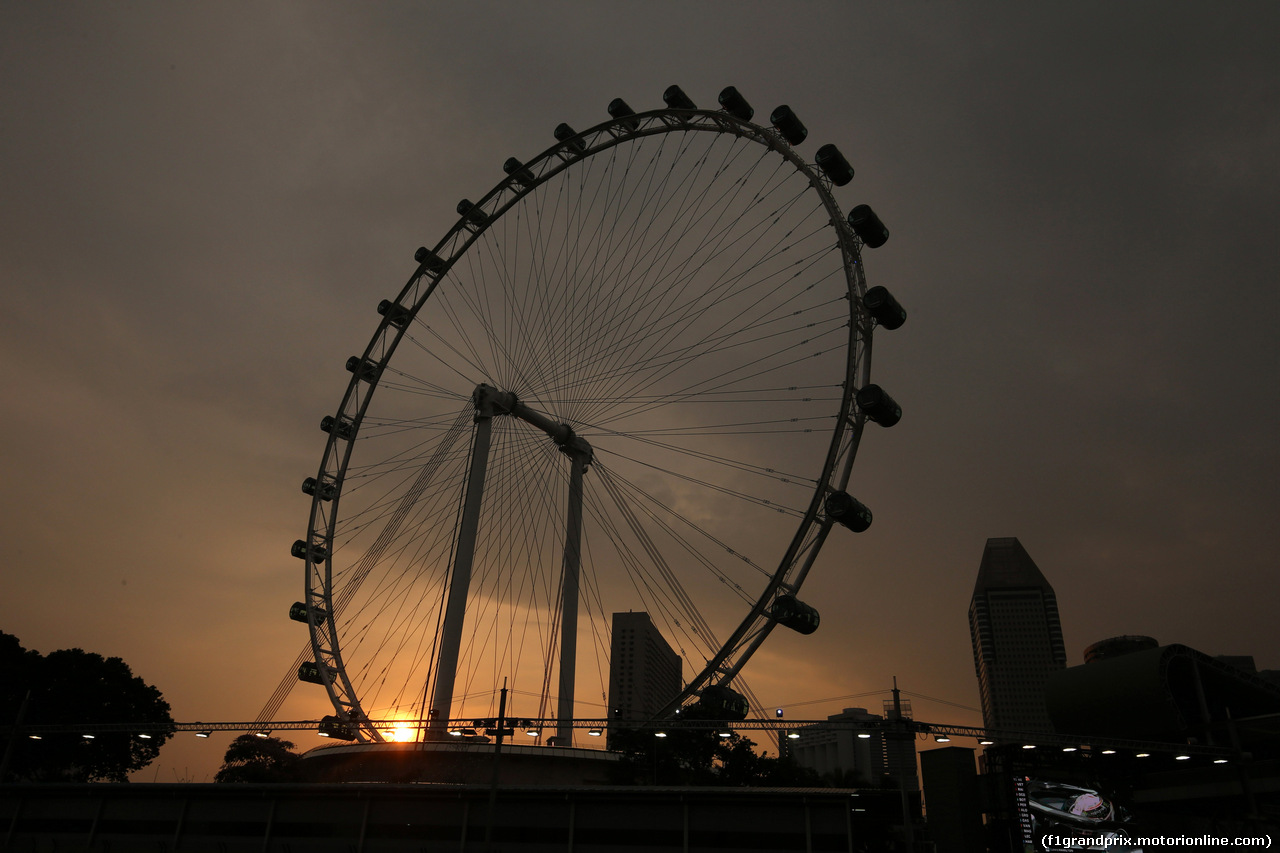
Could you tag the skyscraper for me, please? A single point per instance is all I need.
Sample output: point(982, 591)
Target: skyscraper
point(1017, 638)
point(644, 671)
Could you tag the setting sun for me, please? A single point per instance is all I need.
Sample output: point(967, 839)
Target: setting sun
point(402, 733)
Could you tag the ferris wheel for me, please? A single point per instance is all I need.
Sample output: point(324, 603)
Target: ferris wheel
point(633, 376)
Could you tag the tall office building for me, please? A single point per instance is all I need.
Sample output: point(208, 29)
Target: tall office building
point(644, 671)
point(1017, 638)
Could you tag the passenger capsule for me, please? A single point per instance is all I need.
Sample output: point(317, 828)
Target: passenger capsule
point(397, 315)
point(326, 491)
point(878, 406)
point(517, 170)
point(847, 510)
point(677, 99)
point(362, 367)
point(736, 105)
point(566, 134)
point(620, 109)
point(884, 308)
point(310, 673)
point(471, 213)
point(834, 165)
point(791, 128)
point(795, 614)
point(868, 226)
point(316, 552)
point(343, 428)
point(331, 726)
point(429, 259)
point(298, 612)
point(719, 702)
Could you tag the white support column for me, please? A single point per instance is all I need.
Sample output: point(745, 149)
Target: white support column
point(569, 596)
point(490, 402)
point(460, 581)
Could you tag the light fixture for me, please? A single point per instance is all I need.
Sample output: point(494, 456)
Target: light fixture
point(532, 732)
point(1028, 746)
point(203, 734)
point(659, 734)
point(262, 733)
point(88, 736)
point(144, 735)
point(793, 735)
point(1181, 757)
point(1219, 761)
point(35, 737)
point(1143, 755)
point(455, 732)
point(1108, 752)
point(1069, 749)
point(986, 741)
point(725, 732)
point(942, 739)
point(595, 732)
point(864, 735)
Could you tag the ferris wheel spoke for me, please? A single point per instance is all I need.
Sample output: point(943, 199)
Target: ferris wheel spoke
point(657, 567)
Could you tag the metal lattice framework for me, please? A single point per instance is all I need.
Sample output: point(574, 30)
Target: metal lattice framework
point(650, 258)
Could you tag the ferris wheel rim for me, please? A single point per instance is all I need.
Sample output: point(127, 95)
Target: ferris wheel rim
point(811, 530)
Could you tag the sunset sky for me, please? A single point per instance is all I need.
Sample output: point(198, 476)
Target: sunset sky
point(203, 203)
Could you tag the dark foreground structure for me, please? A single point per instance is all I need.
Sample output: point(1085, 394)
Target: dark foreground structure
point(373, 818)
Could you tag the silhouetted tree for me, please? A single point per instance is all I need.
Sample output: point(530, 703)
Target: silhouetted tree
point(251, 758)
point(73, 687)
point(690, 756)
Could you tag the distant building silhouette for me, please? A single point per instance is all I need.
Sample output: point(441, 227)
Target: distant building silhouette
point(1017, 638)
point(1114, 647)
point(1169, 693)
point(644, 671)
point(952, 799)
point(852, 750)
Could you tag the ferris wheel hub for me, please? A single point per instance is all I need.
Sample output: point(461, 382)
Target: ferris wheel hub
point(489, 402)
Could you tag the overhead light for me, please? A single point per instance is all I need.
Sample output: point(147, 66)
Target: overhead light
point(532, 732)
point(262, 733)
point(1219, 761)
point(726, 732)
point(88, 736)
point(942, 739)
point(1143, 755)
point(1069, 749)
point(35, 737)
point(1108, 752)
point(864, 735)
point(793, 735)
point(203, 734)
point(144, 735)
point(659, 734)
point(1028, 746)
point(986, 741)
point(595, 732)
point(1181, 757)
point(455, 732)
